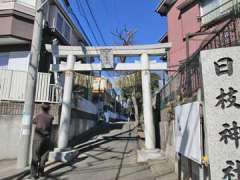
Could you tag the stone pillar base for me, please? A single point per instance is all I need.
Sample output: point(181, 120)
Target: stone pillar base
point(144, 155)
point(64, 155)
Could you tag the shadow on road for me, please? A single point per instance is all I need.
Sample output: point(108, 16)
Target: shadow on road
point(89, 143)
point(100, 129)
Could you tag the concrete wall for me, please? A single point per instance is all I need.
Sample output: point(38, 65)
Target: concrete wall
point(167, 135)
point(10, 123)
point(81, 122)
point(9, 133)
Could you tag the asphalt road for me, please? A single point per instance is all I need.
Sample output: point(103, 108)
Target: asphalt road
point(109, 155)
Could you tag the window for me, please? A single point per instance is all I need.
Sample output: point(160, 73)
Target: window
point(4, 61)
point(63, 28)
point(59, 25)
point(67, 32)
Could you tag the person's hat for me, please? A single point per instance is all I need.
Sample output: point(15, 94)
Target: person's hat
point(45, 106)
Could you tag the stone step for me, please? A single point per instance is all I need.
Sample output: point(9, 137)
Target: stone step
point(171, 176)
point(154, 162)
point(64, 156)
point(144, 155)
point(161, 168)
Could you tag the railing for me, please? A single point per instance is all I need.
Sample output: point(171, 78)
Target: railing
point(188, 79)
point(184, 84)
point(55, 93)
point(226, 37)
point(226, 8)
point(13, 86)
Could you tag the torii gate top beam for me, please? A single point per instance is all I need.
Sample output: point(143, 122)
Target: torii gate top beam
point(151, 49)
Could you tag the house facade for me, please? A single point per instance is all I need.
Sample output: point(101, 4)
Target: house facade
point(17, 18)
point(199, 21)
point(193, 26)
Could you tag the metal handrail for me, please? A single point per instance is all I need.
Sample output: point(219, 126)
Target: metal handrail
point(216, 9)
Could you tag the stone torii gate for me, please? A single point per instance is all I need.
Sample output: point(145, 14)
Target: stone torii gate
point(107, 54)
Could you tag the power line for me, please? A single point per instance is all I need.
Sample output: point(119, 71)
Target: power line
point(90, 10)
point(94, 19)
point(79, 6)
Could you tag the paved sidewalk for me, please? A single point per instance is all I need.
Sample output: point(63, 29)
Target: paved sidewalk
point(9, 171)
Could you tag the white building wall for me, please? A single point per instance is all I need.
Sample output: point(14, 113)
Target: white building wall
point(30, 3)
point(19, 61)
point(15, 60)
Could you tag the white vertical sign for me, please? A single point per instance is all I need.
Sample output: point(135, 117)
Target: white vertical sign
point(187, 131)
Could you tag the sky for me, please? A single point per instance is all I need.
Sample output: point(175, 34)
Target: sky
point(99, 19)
point(112, 15)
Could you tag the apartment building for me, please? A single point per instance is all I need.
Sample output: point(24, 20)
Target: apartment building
point(17, 19)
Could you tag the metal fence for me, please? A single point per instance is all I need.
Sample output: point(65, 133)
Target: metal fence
point(183, 85)
point(228, 36)
point(224, 9)
point(188, 79)
point(13, 85)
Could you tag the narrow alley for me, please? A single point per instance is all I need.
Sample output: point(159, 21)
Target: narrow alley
point(109, 155)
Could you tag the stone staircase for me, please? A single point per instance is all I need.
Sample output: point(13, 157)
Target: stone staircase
point(162, 169)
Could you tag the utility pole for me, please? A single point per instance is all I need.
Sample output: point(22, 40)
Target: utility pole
point(28, 109)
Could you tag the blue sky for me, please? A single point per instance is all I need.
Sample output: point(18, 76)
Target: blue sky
point(110, 15)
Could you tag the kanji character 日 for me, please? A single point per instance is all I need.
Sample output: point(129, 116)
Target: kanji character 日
point(224, 66)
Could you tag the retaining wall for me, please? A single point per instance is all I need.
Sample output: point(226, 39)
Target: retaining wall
point(10, 124)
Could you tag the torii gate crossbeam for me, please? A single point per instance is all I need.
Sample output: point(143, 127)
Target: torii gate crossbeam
point(145, 65)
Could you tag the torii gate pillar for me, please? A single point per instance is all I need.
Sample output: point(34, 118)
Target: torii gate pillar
point(66, 104)
point(149, 128)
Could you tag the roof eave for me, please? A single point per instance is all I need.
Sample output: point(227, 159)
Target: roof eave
point(164, 7)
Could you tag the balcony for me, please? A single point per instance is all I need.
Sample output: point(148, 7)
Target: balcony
point(23, 6)
point(17, 17)
point(218, 12)
point(13, 87)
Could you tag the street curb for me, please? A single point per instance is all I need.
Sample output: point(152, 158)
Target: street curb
point(18, 173)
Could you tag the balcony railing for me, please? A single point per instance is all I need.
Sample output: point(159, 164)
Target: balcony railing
point(228, 36)
point(13, 87)
point(223, 10)
point(188, 79)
